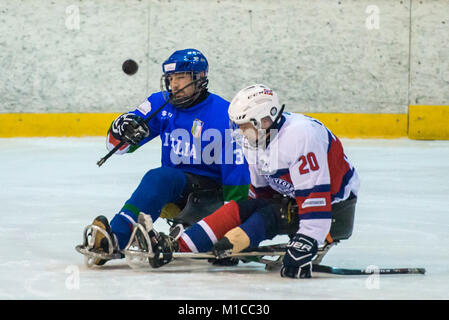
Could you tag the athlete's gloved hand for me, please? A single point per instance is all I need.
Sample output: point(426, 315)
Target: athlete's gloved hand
point(298, 258)
point(221, 249)
point(130, 128)
point(163, 247)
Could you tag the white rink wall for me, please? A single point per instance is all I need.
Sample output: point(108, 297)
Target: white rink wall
point(321, 56)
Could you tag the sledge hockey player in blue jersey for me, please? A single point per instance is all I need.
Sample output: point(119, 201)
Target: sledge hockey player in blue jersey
point(195, 153)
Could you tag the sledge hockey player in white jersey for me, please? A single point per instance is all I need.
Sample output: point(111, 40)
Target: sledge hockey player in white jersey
point(302, 184)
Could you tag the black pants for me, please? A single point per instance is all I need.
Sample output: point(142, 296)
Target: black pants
point(201, 197)
point(280, 216)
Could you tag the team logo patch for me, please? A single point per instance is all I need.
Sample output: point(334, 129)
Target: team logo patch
point(166, 114)
point(170, 67)
point(268, 92)
point(196, 128)
point(145, 107)
point(281, 186)
point(314, 202)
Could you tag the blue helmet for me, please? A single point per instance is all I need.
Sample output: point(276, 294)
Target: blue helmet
point(187, 60)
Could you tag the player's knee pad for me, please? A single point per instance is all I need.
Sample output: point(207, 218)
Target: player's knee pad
point(170, 211)
point(239, 239)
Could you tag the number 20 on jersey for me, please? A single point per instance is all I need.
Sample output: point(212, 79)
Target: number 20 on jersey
point(307, 163)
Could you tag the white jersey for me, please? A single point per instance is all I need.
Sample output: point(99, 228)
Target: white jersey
point(306, 162)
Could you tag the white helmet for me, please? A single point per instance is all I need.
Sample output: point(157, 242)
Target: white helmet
point(254, 103)
point(251, 105)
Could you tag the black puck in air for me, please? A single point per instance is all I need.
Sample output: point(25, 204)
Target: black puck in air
point(130, 67)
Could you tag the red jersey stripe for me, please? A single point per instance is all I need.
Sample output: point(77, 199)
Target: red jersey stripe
point(338, 166)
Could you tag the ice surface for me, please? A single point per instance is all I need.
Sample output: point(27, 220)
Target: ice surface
point(51, 188)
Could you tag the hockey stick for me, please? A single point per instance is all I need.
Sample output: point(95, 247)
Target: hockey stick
point(257, 254)
point(361, 272)
point(122, 142)
point(315, 267)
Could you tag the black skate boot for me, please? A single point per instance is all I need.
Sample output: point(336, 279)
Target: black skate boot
point(161, 245)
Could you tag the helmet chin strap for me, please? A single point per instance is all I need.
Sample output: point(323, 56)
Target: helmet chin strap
point(188, 101)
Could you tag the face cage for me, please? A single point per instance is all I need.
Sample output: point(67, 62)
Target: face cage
point(242, 140)
point(199, 83)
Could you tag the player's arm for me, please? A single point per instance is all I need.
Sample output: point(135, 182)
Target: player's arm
point(133, 129)
point(311, 180)
point(234, 175)
point(235, 180)
point(259, 187)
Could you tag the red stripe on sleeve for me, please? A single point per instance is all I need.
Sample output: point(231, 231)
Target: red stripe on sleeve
point(115, 141)
point(338, 166)
point(320, 206)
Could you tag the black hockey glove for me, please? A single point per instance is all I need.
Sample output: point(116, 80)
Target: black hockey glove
point(222, 249)
point(297, 261)
point(163, 248)
point(130, 128)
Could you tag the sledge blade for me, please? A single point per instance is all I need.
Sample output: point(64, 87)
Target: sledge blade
point(101, 255)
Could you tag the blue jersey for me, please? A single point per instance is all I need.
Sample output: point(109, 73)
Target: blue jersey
point(197, 140)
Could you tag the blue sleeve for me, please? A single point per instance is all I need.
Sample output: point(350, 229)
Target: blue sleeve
point(145, 110)
point(234, 169)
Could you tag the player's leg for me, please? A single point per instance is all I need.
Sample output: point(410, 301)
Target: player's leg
point(341, 228)
point(103, 240)
point(261, 223)
point(243, 223)
point(343, 218)
point(158, 187)
point(201, 196)
point(201, 236)
point(149, 240)
point(239, 224)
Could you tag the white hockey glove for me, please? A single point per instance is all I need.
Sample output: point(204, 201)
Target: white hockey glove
point(298, 258)
point(130, 128)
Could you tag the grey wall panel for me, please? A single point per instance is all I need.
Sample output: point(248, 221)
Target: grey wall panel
point(319, 55)
point(48, 67)
point(430, 53)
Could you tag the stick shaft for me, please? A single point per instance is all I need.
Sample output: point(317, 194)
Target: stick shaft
point(354, 272)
